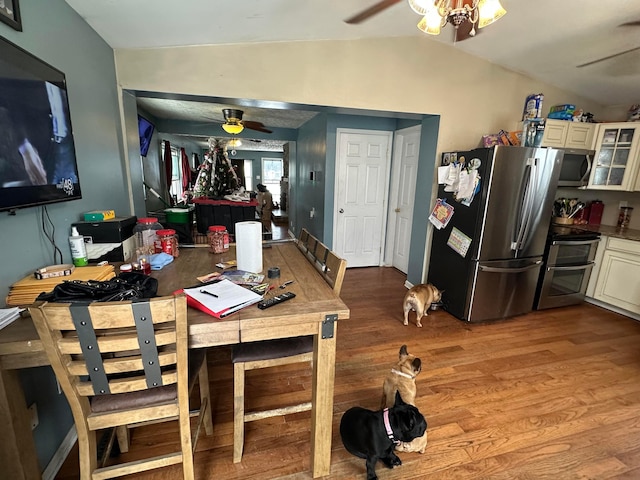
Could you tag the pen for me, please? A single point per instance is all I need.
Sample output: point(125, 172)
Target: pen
point(209, 293)
point(286, 283)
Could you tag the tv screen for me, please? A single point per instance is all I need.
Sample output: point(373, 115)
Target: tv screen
point(145, 130)
point(37, 153)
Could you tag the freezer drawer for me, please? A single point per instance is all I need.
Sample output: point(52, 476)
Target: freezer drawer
point(503, 289)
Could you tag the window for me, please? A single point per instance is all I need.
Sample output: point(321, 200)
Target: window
point(248, 175)
point(272, 172)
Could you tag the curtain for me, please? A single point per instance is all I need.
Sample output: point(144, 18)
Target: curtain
point(168, 168)
point(186, 170)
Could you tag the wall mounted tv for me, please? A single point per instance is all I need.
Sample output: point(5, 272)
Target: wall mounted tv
point(145, 130)
point(37, 153)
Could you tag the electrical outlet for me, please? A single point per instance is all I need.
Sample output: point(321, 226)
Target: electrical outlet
point(312, 213)
point(33, 412)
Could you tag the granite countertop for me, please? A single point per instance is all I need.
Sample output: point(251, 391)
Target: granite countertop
point(610, 231)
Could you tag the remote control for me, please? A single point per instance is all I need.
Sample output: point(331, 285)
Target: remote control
point(270, 302)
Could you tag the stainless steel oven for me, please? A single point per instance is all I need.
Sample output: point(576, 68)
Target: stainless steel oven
point(569, 259)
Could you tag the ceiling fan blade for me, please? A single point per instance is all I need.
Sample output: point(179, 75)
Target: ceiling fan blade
point(257, 126)
point(371, 11)
point(634, 23)
point(609, 57)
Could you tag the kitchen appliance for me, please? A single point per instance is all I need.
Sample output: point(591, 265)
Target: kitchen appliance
point(488, 257)
point(569, 258)
point(576, 167)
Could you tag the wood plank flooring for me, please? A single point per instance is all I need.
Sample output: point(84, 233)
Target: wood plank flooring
point(553, 394)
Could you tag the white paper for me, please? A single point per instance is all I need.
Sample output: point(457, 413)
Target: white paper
point(228, 295)
point(9, 315)
point(466, 184)
point(443, 172)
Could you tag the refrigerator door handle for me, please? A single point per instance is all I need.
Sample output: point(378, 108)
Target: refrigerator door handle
point(527, 204)
point(486, 268)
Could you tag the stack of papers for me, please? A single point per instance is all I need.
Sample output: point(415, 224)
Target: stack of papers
point(8, 315)
point(220, 299)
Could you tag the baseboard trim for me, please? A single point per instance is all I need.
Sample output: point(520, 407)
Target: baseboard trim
point(61, 455)
point(613, 308)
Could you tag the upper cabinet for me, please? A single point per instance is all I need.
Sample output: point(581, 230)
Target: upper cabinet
point(565, 134)
point(616, 159)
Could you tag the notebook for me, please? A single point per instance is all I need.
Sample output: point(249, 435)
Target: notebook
point(221, 298)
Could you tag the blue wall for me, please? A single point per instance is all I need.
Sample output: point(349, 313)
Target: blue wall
point(256, 161)
point(57, 35)
point(310, 194)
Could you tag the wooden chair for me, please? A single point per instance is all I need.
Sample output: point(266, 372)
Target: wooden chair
point(125, 363)
point(285, 351)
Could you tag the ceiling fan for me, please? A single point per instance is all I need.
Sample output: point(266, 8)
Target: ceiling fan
point(234, 124)
point(635, 23)
point(463, 28)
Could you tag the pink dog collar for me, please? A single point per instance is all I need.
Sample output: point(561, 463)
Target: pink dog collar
point(387, 426)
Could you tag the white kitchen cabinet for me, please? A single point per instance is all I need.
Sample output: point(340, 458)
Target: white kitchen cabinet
point(581, 135)
point(616, 160)
point(618, 281)
point(566, 134)
point(597, 262)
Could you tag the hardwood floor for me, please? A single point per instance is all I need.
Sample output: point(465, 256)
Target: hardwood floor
point(552, 394)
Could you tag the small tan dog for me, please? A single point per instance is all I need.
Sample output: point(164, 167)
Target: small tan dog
point(402, 379)
point(420, 298)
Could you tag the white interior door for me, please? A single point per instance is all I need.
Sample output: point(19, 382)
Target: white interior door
point(406, 149)
point(362, 173)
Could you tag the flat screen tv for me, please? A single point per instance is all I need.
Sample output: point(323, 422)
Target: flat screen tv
point(145, 130)
point(37, 153)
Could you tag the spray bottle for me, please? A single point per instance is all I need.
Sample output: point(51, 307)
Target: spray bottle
point(78, 250)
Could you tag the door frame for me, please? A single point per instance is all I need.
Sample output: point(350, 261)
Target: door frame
point(385, 201)
point(394, 184)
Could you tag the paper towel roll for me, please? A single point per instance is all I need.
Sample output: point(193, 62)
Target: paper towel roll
point(249, 246)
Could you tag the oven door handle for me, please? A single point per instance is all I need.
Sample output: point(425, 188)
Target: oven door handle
point(574, 242)
point(571, 267)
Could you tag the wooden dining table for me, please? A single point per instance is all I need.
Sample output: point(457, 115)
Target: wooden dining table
point(315, 310)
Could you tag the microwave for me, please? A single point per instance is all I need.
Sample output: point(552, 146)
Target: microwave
point(576, 167)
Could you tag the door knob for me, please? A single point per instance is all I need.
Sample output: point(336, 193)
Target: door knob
point(397, 210)
point(341, 210)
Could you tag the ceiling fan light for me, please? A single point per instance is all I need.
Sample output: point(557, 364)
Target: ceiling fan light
point(430, 24)
point(421, 6)
point(232, 128)
point(489, 11)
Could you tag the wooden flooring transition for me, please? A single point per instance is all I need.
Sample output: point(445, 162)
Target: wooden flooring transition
point(553, 394)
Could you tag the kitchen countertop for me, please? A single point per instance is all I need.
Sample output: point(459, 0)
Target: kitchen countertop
point(610, 231)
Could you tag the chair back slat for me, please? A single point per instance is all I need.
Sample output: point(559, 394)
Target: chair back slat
point(328, 263)
point(117, 353)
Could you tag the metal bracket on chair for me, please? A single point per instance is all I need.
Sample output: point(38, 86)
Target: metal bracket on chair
point(90, 350)
point(327, 325)
point(147, 342)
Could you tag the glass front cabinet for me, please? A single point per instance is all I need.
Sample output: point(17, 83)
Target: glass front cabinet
point(616, 161)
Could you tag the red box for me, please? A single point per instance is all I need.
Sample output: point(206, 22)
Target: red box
point(595, 212)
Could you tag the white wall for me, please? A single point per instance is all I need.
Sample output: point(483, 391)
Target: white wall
point(408, 74)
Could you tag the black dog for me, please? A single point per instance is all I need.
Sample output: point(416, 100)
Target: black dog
point(369, 435)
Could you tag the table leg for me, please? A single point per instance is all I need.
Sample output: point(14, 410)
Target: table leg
point(324, 366)
point(17, 450)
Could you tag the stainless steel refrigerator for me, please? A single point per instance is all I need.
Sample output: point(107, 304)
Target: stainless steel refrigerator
point(487, 258)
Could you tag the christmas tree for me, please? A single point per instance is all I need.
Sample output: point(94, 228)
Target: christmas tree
point(216, 177)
